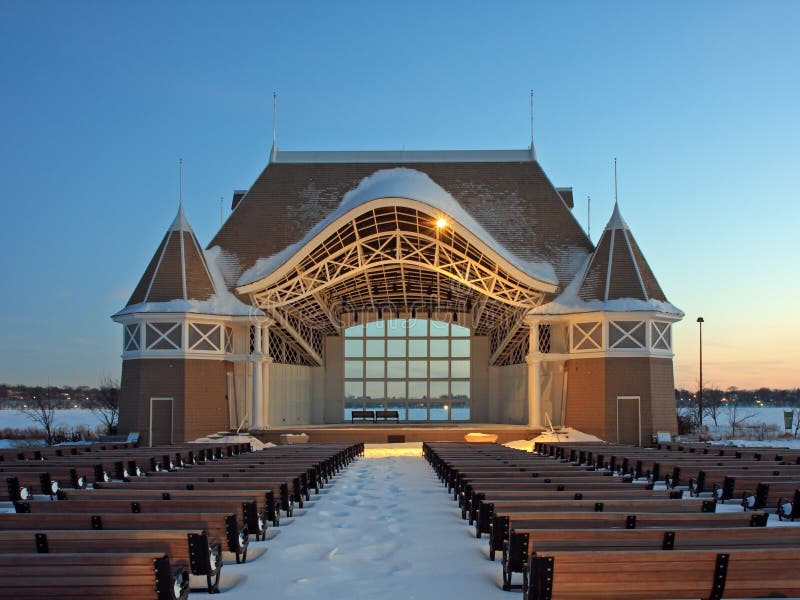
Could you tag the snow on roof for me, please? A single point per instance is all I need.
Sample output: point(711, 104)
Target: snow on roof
point(222, 302)
point(615, 278)
point(178, 269)
point(407, 183)
point(180, 223)
point(569, 301)
point(616, 221)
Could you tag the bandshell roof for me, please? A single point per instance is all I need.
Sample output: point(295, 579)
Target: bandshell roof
point(505, 196)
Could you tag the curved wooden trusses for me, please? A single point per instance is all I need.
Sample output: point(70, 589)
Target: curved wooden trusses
point(393, 254)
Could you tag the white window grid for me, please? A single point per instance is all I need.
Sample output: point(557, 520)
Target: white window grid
point(587, 336)
point(164, 336)
point(626, 334)
point(385, 380)
point(131, 337)
point(204, 337)
point(661, 334)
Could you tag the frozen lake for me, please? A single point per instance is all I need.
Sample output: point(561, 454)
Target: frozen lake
point(71, 418)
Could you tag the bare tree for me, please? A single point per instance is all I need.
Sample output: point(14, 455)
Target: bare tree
point(712, 403)
point(105, 404)
point(737, 416)
point(41, 409)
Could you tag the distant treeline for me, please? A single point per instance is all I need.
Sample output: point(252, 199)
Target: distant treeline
point(18, 396)
point(759, 397)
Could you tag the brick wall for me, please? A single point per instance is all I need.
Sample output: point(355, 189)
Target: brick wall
point(662, 383)
point(629, 377)
point(200, 383)
point(130, 412)
point(585, 396)
point(207, 398)
point(595, 383)
point(143, 379)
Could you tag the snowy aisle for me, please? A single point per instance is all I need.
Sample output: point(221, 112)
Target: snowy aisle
point(385, 528)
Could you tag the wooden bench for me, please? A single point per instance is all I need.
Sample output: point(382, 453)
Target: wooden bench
point(135, 576)
point(698, 477)
point(362, 415)
point(470, 507)
point(521, 546)
point(385, 415)
point(310, 476)
point(264, 502)
point(218, 525)
point(299, 483)
point(789, 507)
point(286, 498)
point(502, 525)
point(488, 511)
point(191, 547)
point(642, 575)
point(246, 512)
point(43, 478)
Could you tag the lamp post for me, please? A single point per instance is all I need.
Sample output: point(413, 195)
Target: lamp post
point(700, 321)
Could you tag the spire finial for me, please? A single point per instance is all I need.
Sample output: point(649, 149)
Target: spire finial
point(533, 147)
point(589, 215)
point(180, 183)
point(274, 124)
point(615, 181)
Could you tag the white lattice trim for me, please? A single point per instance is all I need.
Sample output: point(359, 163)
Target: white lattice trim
point(131, 335)
point(661, 334)
point(205, 337)
point(163, 336)
point(627, 334)
point(587, 336)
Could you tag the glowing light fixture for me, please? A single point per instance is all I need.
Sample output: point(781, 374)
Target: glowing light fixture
point(441, 222)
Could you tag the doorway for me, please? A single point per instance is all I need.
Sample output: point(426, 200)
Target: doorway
point(629, 420)
point(160, 421)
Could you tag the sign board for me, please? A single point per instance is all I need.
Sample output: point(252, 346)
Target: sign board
point(788, 418)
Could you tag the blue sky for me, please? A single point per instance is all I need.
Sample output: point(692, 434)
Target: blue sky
point(697, 100)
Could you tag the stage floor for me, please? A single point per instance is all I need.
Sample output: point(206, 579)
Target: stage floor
point(382, 433)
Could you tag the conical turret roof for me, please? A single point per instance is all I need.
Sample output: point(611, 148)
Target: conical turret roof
point(178, 269)
point(618, 268)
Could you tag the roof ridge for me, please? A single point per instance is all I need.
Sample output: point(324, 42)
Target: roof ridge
point(158, 264)
point(400, 156)
point(635, 264)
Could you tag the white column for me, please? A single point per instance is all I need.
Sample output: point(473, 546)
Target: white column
point(534, 361)
point(255, 357)
point(266, 360)
point(534, 393)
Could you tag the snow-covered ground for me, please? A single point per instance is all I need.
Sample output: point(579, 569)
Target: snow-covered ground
point(755, 423)
point(384, 528)
point(66, 419)
point(749, 415)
